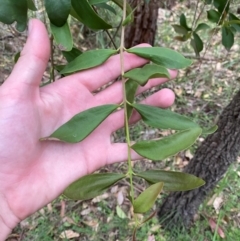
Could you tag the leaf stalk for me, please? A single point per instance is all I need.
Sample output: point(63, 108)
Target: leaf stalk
point(126, 123)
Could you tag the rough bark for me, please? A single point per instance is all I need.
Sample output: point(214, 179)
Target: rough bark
point(210, 162)
point(144, 27)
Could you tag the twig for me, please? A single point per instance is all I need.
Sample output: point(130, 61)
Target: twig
point(107, 32)
point(52, 59)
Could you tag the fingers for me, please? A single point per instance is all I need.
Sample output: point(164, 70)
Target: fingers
point(118, 153)
point(113, 94)
point(32, 63)
point(163, 98)
point(97, 77)
point(157, 81)
point(72, 103)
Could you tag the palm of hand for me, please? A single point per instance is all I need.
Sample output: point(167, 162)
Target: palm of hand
point(33, 173)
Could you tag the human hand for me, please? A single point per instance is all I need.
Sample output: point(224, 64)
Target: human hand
point(33, 172)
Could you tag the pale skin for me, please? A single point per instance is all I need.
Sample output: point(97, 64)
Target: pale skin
point(33, 172)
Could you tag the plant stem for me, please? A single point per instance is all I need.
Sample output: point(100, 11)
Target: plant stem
point(107, 32)
point(52, 59)
point(126, 124)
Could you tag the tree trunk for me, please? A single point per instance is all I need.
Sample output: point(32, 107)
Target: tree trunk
point(144, 27)
point(210, 162)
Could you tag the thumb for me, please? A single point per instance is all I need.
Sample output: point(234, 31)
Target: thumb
point(29, 69)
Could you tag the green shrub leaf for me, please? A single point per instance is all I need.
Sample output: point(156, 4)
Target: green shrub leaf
point(213, 16)
point(84, 12)
point(88, 59)
point(131, 88)
point(162, 56)
point(91, 186)
point(142, 75)
point(120, 213)
point(31, 5)
point(82, 124)
point(58, 11)
point(12, 10)
point(183, 38)
point(71, 55)
point(119, 3)
point(162, 118)
point(168, 146)
point(147, 198)
point(173, 181)
point(197, 44)
point(227, 38)
point(221, 5)
point(179, 29)
point(235, 22)
point(129, 19)
point(62, 36)
point(183, 22)
point(201, 26)
point(93, 2)
point(16, 57)
point(107, 7)
point(210, 130)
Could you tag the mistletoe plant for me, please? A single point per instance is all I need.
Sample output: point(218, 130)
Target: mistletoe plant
point(81, 125)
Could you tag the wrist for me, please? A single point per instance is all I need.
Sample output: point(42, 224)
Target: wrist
point(7, 219)
point(4, 230)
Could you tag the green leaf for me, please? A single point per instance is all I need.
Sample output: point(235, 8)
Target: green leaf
point(164, 119)
point(62, 36)
point(148, 71)
point(197, 44)
point(147, 198)
point(59, 67)
point(183, 38)
point(210, 130)
point(162, 56)
point(120, 213)
point(107, 7)
point(58, 11)
point(31, 5)
point(221, 5)
point(82, 124)
point(183, 22)
point(201, 26)
point(131, 88)
point(92, 185)
point(16, 57)
point(88, 59)
point(94, 2)
point(236, 25)
point(119, 3)
point(12, 10)
point(168, 146)
point(84, 12)
point(129, 19)
point(227, 38)
point(71, 55)
point(173, 181)
point(179, 29)
point(213, 16)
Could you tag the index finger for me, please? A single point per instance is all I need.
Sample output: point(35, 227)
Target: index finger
point(95, 78)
